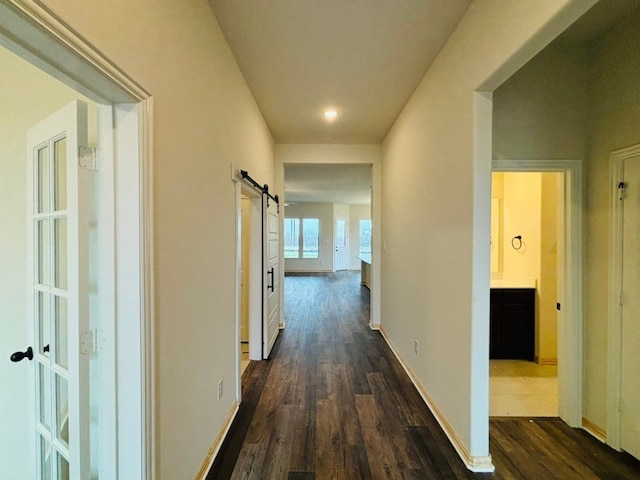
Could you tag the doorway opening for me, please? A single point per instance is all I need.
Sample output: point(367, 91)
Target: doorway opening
point(563, 211)
point(88, 276)
point(526, 224)
point(329, 223)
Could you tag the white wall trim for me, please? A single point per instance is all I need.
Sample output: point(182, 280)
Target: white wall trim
point(480, 464)
point(36, 34)
point(570, 339)
point(255, 293)
point(614, 350)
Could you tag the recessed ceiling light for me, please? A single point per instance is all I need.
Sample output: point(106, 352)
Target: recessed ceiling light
point(330, 113)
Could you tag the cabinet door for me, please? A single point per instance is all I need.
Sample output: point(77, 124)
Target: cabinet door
point(518, 323)
point(495, 334)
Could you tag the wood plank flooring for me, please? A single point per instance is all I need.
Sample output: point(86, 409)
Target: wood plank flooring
point(334, 403)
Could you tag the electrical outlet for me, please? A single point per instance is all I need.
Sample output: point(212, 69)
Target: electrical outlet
point(415, 346)
point(220, 389)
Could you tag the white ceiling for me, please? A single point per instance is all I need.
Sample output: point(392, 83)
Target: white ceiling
point(349, 184)
point(363, 58)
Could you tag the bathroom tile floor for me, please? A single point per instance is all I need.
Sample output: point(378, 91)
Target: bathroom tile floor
point(522, 389)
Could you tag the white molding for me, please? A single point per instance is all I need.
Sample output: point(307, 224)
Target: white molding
point(217, 443)
point(479, 464)
point(570, 338)
point(145, 119)
point(39, 36)
point(614, 345)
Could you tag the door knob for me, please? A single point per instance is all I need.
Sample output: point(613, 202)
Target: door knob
point(16, 357)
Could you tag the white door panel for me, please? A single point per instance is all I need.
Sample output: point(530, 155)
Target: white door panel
point(341, 261)
point(271, 255)
point(58, 293)
point(630, 379)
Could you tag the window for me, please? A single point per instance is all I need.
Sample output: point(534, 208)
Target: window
point(310, 235)
point(365, 236)
point(307, 243)
point(291, 238)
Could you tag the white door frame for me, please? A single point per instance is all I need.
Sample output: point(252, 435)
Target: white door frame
point(255, 276)
point(570, 330)
point(376, 223)
point(38, 36)
point(614, 351)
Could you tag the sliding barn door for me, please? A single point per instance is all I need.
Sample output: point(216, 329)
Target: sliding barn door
point(271, 274)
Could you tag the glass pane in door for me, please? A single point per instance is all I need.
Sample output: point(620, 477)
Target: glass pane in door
point(42, 180)
point(341, 233)
point(60, 252)
point(44, 405)
point(44, 453)
point(63, 468)
point(44, 323)
point(60, 174)
point(43, 252)
point(62, 410)
point(61, 345)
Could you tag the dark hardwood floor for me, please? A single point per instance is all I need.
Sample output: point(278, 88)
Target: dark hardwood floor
point(334, 403)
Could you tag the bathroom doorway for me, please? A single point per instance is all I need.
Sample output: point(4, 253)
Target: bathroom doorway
point(534, 286)
point(525, 219)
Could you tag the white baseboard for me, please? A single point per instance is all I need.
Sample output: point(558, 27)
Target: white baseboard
point(475, 463)
point(217, 443)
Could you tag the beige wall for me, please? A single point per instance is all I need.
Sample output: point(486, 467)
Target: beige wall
point(614, 123)
point(323, 212)
point(204, 119)
point(438, 154)
point(541, 111)
point(521, 216)
point(356, 213)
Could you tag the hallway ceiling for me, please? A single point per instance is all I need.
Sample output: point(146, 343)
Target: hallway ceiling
point(361, 58)
point(349, 184)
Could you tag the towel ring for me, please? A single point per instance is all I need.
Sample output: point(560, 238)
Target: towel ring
point(516, 242)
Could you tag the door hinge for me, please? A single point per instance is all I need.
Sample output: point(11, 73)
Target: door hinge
point(90, 341)
point(90, 158)
point(621, 299)
point(621, 186)
point(619, 404)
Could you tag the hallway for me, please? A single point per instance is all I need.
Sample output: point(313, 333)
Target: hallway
point(334, 403)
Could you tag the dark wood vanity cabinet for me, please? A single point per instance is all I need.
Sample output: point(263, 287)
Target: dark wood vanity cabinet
point(512, 323)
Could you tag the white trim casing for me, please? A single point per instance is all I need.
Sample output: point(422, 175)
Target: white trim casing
point(570, 331)
point(614, 350)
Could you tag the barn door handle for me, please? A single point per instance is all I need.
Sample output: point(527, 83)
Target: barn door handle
point(16, 357)
point(270, 272)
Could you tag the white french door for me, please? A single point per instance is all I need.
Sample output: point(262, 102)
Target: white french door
point(271, 279)
point(341, 261)
point(630, 379)
point(58, 293)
